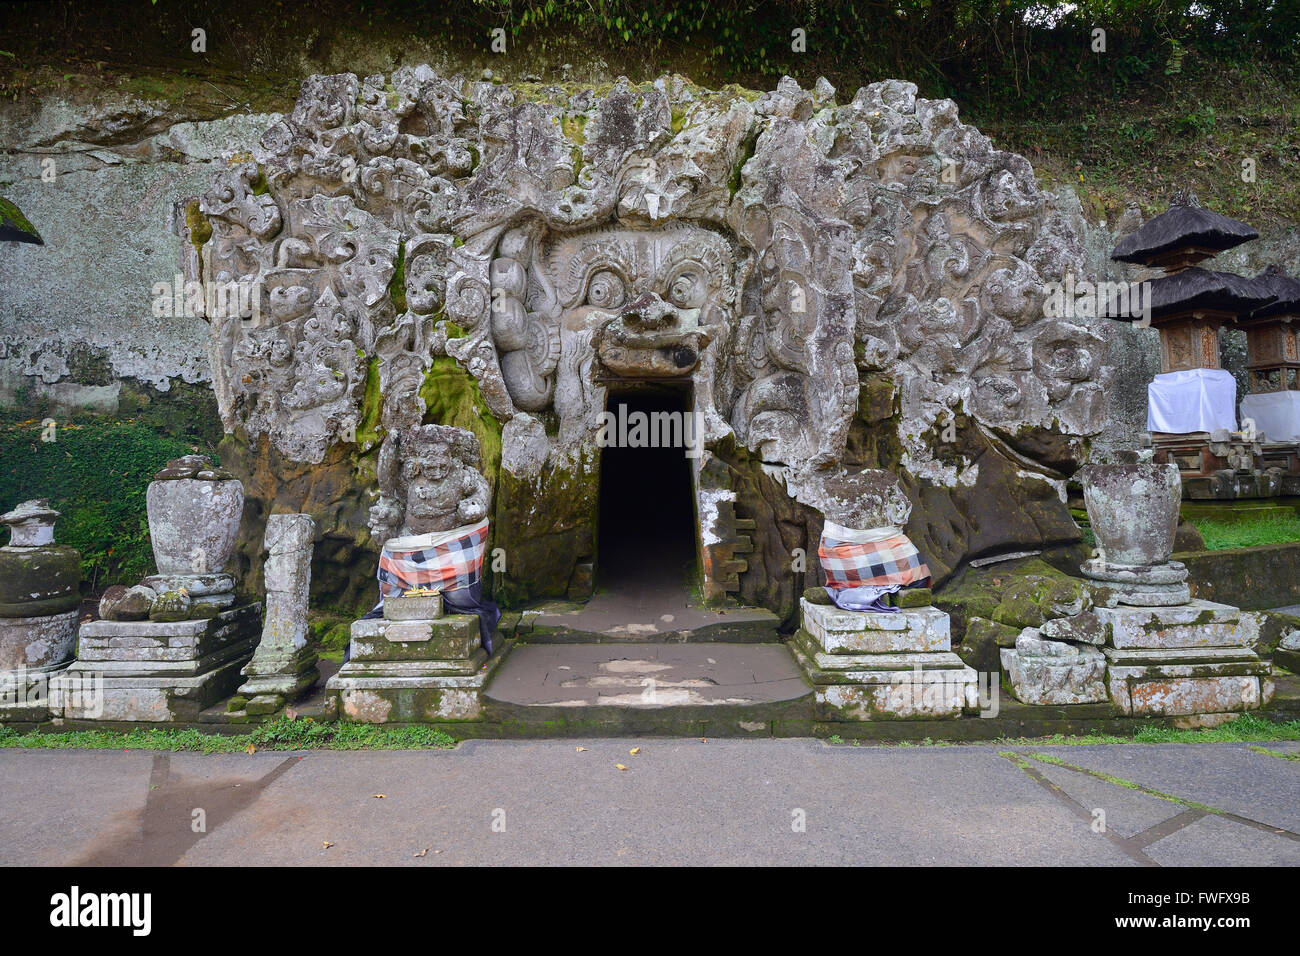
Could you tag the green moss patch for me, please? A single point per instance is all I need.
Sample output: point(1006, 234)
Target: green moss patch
point(452, 397)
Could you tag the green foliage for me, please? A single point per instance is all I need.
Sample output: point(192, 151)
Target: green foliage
point(95, 474)
point(1249, 532)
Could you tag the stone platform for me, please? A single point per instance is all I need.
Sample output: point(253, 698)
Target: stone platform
point(1178, 661)
point(883, 666)
point(414, 671)
point(156, 671)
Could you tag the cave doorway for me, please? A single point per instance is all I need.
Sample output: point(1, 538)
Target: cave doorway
point(646, 526)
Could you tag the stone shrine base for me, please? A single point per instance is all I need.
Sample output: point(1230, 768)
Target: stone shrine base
point(154, 671)
point(1179, 661)
point(414, 671)
point(883, 666)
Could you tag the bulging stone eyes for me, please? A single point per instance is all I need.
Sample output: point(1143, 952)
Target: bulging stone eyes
point(685, 291)
point(606, 291)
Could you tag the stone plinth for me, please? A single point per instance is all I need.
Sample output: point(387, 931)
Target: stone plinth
point(284, 666)
point(414, 671)
point(1045, 671)
point(1187, 660)
point(156, 671)
point(882, 666)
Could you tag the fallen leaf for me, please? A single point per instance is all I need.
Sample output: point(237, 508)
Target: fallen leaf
point(582, 750)
point(423, 852)
point(328, 844)
point(251, 749)
point(704, 740)
point(620, 766)
point(634, 751)
point(380, 796)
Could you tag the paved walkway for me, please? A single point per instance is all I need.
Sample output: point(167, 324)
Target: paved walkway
point(678, 802)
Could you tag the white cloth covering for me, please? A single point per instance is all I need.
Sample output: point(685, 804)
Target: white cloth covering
point(1276, 414)
point(1193, 400)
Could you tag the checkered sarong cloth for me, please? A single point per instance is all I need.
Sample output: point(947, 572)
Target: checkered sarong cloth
point(445, 561)
point(889, 563)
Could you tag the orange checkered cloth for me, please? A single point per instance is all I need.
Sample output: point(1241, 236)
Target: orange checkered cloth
point(446, 561)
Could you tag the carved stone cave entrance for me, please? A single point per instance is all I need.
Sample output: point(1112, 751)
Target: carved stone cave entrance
point(646, 526)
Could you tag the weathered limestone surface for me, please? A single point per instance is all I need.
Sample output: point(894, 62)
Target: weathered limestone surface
point(414, 670)
point(834, 280)
point(1195, 624)
point(283, 666)
point(38, 608)
point(1053, 671)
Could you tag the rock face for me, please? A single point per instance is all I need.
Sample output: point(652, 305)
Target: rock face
point(835, 284)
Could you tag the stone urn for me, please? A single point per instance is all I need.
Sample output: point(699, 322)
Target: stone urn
point(1133, 508)
point(37, 576)
point(38, 595)
point(194, 514)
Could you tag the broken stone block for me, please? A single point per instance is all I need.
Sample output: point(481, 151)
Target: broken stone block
point(1054, 672)
point(170, 606)
point(1031, 601)
point(913, 597)
point(1085, 628)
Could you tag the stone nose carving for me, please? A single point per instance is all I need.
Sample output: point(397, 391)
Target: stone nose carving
point(651, 338)
point(651, 313)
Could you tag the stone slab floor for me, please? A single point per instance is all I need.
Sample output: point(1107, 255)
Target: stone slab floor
point(678, 802)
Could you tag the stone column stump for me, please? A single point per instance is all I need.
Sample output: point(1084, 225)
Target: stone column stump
point(283, 667)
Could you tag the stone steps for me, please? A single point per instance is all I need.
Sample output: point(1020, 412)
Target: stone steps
point(721, 689)
point(608, 623)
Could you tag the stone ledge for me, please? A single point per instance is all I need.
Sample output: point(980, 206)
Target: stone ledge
point(1192, 625)
point(876, 632)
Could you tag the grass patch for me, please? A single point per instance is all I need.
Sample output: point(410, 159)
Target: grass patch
point(1249, 532)
point(1247, 727)
point(279, 734)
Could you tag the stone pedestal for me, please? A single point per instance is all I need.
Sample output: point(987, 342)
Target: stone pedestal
point(882, 666)
point(414, 671)
point(156, 671)
point(284, 666)
point(1194, 659)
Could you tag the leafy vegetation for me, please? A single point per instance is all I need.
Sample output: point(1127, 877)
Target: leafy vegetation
point(95, 474)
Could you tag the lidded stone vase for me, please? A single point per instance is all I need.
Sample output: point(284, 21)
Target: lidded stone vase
point(194, 515)
point(37, 576)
